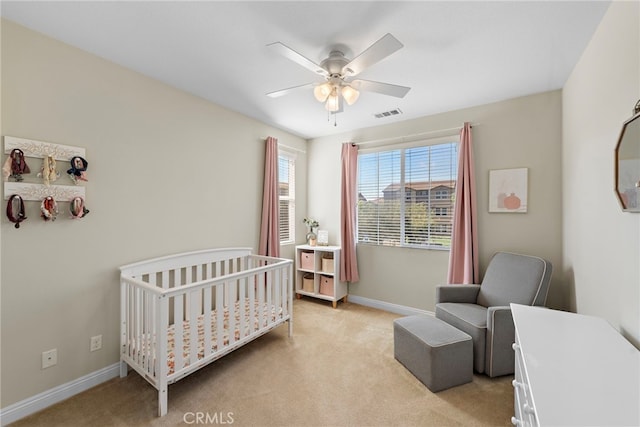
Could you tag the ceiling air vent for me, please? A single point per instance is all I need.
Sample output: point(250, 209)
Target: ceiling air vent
point(389, 113)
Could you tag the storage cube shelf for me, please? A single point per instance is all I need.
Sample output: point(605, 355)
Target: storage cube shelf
point(317, 273)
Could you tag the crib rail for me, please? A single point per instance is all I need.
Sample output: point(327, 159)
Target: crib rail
point(180, 313)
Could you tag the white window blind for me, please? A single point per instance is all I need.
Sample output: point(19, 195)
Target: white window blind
point(287, 191)
point(406, 195)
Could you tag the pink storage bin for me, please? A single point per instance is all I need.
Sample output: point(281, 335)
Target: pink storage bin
point(306, 260)
point(326, 285)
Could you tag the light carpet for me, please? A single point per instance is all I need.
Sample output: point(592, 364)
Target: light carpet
point(337, 369)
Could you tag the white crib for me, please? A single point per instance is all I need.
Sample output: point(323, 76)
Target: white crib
point(224, 297)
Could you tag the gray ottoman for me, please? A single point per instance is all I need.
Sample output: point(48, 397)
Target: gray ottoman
point(438, 354)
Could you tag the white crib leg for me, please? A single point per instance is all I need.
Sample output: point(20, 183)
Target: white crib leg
point(162, 401)
point(290, 327)
point(124, 368)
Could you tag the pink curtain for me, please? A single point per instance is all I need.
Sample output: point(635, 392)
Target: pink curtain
point(463, 258)
point(348, 200)
point(270, 226)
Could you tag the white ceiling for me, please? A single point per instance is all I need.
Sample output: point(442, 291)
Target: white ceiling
point(455, 55)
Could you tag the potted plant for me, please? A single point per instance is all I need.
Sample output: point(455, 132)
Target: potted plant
point(311, 224)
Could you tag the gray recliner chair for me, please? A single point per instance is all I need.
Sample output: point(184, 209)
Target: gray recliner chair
point(483, 311)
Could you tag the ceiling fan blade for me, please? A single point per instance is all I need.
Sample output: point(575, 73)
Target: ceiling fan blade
point(282, 92)
point(383, 88)
point(294, 56)
point(374, 53)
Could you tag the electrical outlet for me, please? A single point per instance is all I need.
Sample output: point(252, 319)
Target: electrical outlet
point(96, 343)
point(49, 358)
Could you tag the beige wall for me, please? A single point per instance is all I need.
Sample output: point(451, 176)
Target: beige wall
point(602, 243)
point(522, 132)
point(168, 172)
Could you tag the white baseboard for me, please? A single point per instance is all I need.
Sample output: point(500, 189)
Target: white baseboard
point(57, 394)
point(388, 306)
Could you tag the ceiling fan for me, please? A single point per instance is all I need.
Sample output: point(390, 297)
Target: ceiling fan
point(339, 71)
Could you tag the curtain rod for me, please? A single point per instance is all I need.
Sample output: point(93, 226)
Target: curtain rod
point(286, 147)
point(413, 137)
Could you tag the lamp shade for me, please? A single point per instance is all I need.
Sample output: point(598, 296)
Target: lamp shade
point(321, 92)
point(350, 94)
point(333, 102)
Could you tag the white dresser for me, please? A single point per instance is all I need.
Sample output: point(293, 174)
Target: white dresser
point(573, 370)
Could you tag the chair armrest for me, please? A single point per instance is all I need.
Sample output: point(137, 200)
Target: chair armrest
point(457, 293)
point(501, 333)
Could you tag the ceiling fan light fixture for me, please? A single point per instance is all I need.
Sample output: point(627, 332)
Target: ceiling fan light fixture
point(350, 95)
point(333, 102)
point(322, 92)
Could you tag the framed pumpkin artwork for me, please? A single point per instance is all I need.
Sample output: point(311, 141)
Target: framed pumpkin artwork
point(508, 190)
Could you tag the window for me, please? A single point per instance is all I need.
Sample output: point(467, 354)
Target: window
point(442, 194)
point(394, 207)
point(287, 191)
point(442, 211)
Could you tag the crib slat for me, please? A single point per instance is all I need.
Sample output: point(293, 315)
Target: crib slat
point(220, 317)
point(193, 307)
point(178, 324)
point(193, 326)
point(277, 296)
point(225, 271)
point(136, 324)
point(148, 332)
point(140, 324)
point(252, 302)
point(260, 300)
point(165, 279)
point(153, 332)
point(242, 307)
point(187, 280)
point(231, 306)
point(141, 332)
point(269, 296)
point(207, 321)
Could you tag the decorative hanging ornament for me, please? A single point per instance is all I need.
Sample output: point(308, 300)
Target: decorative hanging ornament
point(78, 169)
point(15, 165)
point(77, 208)
point(48, 173)
point(49, 209)
point(15, 201)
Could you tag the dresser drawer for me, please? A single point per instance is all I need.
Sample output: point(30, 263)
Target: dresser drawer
point(522, 401)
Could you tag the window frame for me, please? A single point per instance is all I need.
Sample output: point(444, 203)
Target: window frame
point(290, 157)
point(403, 146)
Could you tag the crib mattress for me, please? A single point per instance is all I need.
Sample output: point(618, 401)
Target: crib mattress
point(251, 325)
